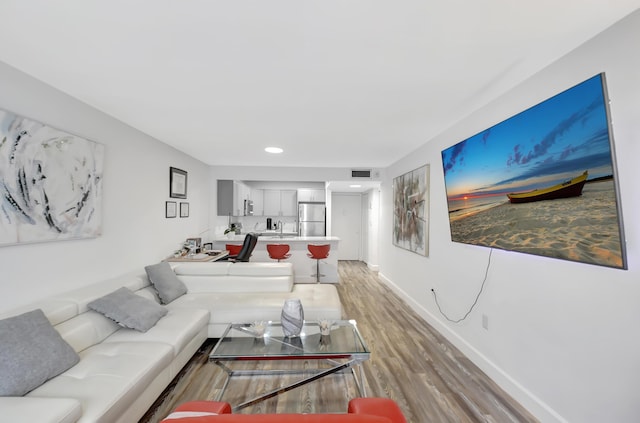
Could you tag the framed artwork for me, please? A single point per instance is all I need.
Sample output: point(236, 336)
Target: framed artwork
point(177, 183)
point(184, 209)
point(170, 209)
point(411, 211)
point(51, 183)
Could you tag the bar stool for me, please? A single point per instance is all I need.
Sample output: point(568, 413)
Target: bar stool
point(233, 249)
point(318, 252)
point(278, 251)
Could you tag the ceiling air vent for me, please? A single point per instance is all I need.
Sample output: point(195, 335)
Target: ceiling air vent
point(366, 173)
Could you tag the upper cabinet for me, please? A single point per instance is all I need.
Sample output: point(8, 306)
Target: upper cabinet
point(267, 198)
point(288, 203)
point(315, 195)
point(232, 198)
point(271, 202)
point(280, 202)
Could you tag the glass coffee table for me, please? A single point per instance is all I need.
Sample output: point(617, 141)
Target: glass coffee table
point(343, 349)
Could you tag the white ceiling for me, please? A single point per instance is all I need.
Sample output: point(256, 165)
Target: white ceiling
point(349, 83)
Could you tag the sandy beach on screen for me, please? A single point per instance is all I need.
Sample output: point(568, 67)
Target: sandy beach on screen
point(581, 229)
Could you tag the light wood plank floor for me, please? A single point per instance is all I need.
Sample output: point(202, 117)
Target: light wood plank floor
point(410, 362)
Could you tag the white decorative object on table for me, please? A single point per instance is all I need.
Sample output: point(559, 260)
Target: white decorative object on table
point(292, 317)
point(258, 328)
point(325, 326)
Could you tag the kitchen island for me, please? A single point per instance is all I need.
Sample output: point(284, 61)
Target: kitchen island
point(304, 267)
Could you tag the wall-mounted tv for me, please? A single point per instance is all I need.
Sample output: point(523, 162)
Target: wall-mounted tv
point(542, 182)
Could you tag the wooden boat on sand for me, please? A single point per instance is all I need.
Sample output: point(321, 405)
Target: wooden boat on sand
point(571, 188)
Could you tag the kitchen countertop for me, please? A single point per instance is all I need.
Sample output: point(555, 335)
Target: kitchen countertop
point(276, 233)
point(305, 269)
point(298, 238)
point(274, 237)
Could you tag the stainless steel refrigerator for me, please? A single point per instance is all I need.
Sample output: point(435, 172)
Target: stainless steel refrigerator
point(311, 219)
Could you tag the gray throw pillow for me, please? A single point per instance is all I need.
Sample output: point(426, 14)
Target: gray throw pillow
point(166, 282)
point(31, 353)
point(129, 310)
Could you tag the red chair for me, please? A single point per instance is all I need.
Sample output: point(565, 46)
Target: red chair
point(233, 249)
point(278, 251)
point(318, 252)
point(360, 410)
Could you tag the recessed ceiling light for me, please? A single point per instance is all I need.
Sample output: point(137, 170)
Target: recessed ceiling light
point(273, 150)
point(355, 186)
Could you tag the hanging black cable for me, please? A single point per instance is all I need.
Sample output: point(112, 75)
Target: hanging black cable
point(435, 297)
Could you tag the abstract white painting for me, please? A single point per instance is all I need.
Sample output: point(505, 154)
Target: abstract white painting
point(50, 183)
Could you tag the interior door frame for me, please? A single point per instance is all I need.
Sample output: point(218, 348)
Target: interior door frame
point(358, 215)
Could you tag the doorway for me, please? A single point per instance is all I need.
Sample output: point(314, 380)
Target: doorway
point(346, 224)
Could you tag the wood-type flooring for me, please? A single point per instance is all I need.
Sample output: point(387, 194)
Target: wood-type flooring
point(430, 379)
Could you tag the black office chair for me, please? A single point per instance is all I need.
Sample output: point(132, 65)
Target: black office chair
point(250, 241)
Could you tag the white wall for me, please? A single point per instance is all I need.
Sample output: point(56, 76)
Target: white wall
point(136, 186)
point(562, 336)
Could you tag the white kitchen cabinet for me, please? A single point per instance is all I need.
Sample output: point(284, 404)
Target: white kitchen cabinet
point(271, 202)
point(280, 203)
point(314, 195)
point(288, 203)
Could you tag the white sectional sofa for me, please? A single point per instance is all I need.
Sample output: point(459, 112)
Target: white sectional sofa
point(122, 371)
point(247, 292)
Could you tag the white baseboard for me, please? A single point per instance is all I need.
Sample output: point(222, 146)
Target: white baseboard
point(525, 397)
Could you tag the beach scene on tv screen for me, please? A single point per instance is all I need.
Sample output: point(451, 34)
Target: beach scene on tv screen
point(541, 182)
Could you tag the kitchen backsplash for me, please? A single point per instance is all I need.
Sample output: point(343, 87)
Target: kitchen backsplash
point(259, 223)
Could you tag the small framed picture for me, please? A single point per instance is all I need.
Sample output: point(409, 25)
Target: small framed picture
point(177, 183)
point(191, 244)
point(207, 246)
point(184, 209)
point(196, 242)
point(170, 209)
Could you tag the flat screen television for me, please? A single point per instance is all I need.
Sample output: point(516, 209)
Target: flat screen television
point(542, 182)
